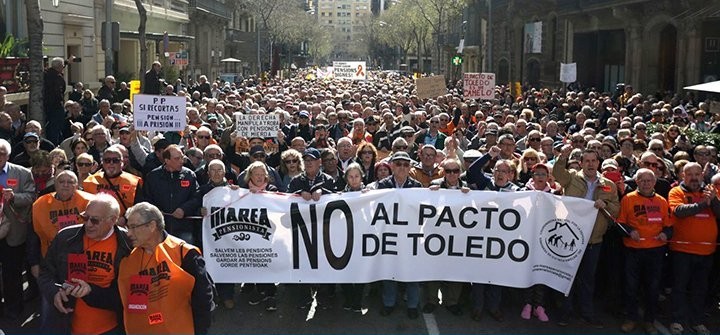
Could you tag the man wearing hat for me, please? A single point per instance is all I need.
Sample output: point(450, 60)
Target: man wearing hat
point(31, 144)
point(153, 160)
point(257, 154)
point(400, 178)
point(303, 128)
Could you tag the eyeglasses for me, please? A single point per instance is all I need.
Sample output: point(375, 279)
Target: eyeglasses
point(30, 141)
point(291, 161)
point(656, 149)
point(702, 154)
point(535, 139)
point(540, 174)
point(434, 121)
point(452, 171)
point(214, 155)
point(650, 164)
point(203, 137)
point(401, 164)
point(84, 164)
point(366, 152)
point(133, 227)
point(93, 220)
point(111, 160)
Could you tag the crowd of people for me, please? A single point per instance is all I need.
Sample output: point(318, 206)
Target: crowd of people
point(106, 218)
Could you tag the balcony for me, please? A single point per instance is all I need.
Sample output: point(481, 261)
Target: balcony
point(238, 36)
point(214, 7)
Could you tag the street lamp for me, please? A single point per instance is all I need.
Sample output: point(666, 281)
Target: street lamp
point(56, 3)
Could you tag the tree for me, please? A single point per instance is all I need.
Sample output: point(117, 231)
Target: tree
point(319, 43)
point(437, 13)
point(35, 37)
point(143, 44)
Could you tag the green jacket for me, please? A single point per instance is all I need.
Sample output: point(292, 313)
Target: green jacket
point(574, 184)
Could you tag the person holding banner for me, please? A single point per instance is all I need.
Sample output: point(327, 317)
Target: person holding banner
point(163, 283)
point(354, 291)
point(450, 290)
point(645, 219)
point(400, 178)
point(589, 184)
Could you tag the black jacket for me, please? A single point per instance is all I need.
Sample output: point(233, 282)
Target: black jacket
point(302, 183)
point(389, 182)
point(152, 82)
point(108, 93)
point(54, 92)
point(53, 269)
point(170, 191)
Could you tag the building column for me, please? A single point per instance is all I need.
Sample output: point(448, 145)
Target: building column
point(692, 60)
point(633, 55)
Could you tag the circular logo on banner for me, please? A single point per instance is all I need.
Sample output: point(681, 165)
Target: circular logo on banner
point(561, 239)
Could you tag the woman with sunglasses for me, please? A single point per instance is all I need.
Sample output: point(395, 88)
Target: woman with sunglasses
point(291, 165)
point(84, 166)
point(529, 158)
point(451, 291)
point(367, 156)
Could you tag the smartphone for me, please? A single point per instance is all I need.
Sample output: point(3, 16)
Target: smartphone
point(65, 286)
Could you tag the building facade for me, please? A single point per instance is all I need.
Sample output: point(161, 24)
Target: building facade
point(349, 21)
point(654, 45)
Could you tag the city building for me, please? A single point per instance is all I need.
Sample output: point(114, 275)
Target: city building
point(349, 21)
point(654, 45)
point(208, 21)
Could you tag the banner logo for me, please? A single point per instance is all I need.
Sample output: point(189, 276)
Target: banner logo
point(224, 221)
point(562, 239)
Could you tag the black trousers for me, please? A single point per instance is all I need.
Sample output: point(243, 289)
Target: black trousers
point(12, 260)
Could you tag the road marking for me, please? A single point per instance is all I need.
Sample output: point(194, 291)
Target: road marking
point(431, 324)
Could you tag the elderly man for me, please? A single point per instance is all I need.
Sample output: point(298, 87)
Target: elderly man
point(125, 187)
point(645, 219)
point(179, 296)
point(18, 194)
point(107, 91)
point(589, 184)
point(428, 170)
point(172, 187)
point(79, 274)
point(695, 207)
point(152, 79)
point(400, 178)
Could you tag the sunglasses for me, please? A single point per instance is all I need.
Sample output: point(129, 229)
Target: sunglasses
point(84, 164)
point(401, 147)
point(94, 220)
point(203, 137)
point(535, 139)
point(291, 161)
point(30, 141)
point(452, 171)
point(366, 152)
point(650, 164)
point(111, 160)
point(261, 155)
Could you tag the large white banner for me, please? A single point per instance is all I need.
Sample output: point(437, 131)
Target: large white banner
point(510, 239)
point(350, 70)
point(159, 112)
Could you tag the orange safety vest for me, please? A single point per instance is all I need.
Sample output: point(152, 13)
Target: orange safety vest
point(101, 272)
point(168, 309)
point(125, 184)
point(50, 215)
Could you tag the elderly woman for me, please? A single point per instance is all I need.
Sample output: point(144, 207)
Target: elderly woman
point(257, 180)
point(291, 165)
point(450, 290)
point(529, 158)
point(182, 294)
point(84, 166)
point(354, 292)
point(367, 156)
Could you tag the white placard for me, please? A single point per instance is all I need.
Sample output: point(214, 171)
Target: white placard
point(568, 72)
point(515, 239)
point(159, 112)
point(257, 125)
point(479, 86)
point(350, 70)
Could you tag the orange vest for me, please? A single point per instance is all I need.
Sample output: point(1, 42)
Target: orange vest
point(101, 272)
point(646, 215)
point(125, 184)
point(700, 227)
point(50, 215)
point(168, 309)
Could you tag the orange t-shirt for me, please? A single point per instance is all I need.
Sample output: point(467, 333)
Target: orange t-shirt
point(50, 215)
point(700, 227)
point(647, 215)
point(101, 272)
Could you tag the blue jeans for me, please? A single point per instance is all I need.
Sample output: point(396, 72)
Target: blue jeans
point(690, 274)
point(389, 294)
point(584, 286)
point(643, 267)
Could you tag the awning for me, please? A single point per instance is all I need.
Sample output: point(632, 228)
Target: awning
point(157, 36)
point(713, 86)
point(230, 60)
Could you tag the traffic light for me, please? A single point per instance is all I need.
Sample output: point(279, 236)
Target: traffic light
point(457, 60)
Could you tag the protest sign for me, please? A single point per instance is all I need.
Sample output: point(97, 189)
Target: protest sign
point(479, 86)
point(257, 125)
point(159, 112)
point(430, 87)
point(515, 239)
point(350, 70)
point(568, 72)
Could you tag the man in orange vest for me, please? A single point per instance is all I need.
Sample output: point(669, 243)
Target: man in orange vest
point(163, 284)
point(79, 273)
point(123, 186)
